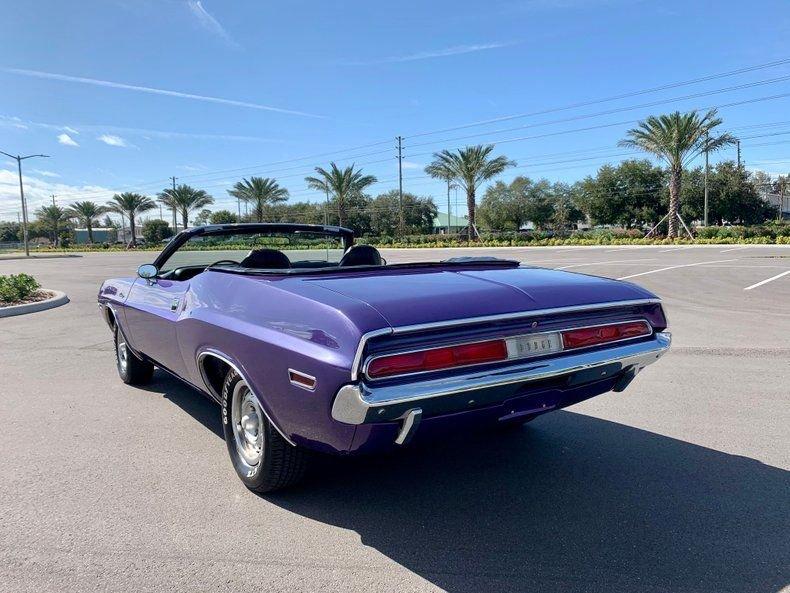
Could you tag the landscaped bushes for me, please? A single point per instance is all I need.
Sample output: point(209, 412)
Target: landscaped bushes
point(17, 287)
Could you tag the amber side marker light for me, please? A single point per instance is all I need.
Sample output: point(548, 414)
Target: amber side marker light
point(436, 359)
point(593, 336)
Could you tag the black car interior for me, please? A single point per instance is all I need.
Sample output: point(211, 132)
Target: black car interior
point(272, 259)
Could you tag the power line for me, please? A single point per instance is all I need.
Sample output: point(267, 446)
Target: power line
point(607, 99)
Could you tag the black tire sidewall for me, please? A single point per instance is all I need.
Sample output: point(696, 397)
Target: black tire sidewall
point(252, 476)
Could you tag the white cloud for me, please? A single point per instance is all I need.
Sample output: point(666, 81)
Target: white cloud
point(111, 140)
point(70, 130)
point(45, 173)
point(411, 165)
point(153, 91)
point(38, 191)
point(209, 23)
point(66, 140)
point(439, 53)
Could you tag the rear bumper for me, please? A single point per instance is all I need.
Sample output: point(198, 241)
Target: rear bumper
point(362, 403)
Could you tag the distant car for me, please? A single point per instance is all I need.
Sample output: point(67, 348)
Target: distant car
point(311, 343)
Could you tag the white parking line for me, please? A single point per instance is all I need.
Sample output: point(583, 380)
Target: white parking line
point(702, 263)
point(677, 248)
point(601, 263)
point(767, 280)
point(734, 248)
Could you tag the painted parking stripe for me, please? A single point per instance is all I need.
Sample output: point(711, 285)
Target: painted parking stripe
point(602, 263)
point(767, 280)
point(677, 248)
point(702, 263)
point(734, 248)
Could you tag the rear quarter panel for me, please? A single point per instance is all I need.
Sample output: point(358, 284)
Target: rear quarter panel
point(264, 331)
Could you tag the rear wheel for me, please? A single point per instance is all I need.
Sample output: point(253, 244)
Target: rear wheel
point(133, 370)
point(262, 458)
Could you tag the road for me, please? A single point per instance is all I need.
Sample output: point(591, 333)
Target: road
point(679, 484)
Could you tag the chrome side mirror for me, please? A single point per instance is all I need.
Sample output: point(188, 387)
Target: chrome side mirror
point(148, 272)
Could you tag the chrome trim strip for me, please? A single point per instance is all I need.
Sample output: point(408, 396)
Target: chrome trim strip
point(370, 359)
point(521, 314)
point(303, 375)
point(211, 352)
point(366, 337)
point(353, 402)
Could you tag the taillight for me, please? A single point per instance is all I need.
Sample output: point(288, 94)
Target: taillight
point(437, 359)
point(592, 336)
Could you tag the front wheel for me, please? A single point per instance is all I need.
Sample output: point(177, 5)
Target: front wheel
point(133, 370)
point(262, 458)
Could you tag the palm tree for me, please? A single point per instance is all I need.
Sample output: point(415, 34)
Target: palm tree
point(131, 204)
point(469, 167)
point(677, 139)
point(261, 192)
point(53, 217)
point(185, 198)
point(86, 212)
point(341, 184)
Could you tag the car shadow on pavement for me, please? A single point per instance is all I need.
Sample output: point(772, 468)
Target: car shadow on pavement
point(199, 406)
point(568, 503)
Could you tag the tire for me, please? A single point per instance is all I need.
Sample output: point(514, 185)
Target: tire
point(262, 458)
point(132, 370)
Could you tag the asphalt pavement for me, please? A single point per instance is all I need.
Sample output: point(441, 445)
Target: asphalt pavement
point(679, 484)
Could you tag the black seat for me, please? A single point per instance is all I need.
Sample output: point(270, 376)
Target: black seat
point(267, 259)
point(361, 255)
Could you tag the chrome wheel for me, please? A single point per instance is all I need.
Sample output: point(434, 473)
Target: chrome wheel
point(247, 421)
point(122, 352)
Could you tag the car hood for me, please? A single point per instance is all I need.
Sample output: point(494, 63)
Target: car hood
point(423, 296)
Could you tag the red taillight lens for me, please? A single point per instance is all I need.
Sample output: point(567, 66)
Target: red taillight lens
point(592, 336)
point(437, 358)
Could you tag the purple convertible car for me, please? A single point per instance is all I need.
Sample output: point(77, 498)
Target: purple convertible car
point(312, 343)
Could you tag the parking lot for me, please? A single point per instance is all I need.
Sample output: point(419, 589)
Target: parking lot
point(681, 483)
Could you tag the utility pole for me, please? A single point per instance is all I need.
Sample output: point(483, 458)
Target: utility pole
point(738, 144)
point(238, 205)
point(448, 205)
point(175, 218)
point(705, 219)
point(400, 184)
point(19, 160)
point(326, 206)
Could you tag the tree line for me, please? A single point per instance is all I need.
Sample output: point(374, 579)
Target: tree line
point(632, 194)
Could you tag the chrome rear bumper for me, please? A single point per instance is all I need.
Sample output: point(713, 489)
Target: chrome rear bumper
point(363, 403)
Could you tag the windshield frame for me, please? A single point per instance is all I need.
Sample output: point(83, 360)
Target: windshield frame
point(345, 235)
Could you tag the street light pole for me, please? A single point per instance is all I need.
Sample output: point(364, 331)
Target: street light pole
point(19, 160)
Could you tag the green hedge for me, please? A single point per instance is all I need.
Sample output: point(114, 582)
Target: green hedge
point(777, 233)
point(17, 287)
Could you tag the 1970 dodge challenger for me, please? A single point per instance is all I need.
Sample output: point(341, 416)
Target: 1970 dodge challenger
point(310, 342)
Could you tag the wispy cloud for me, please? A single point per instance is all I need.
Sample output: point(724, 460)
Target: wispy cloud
point(111, 140)
point(66, 140)
point(209, 23)
point(153, 91)
point(45, 173)
point(411, 165)
point(38, 190)
point(429, 55)
point(74, 130)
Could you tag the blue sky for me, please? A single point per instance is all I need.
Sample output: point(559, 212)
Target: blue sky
point(125, 93)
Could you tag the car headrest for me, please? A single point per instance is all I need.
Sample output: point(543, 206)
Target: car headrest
point(267, 259)
point(361, 255)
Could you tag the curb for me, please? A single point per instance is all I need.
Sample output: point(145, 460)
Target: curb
point(59, 298)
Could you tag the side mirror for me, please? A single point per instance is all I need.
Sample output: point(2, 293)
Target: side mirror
point(148, 271)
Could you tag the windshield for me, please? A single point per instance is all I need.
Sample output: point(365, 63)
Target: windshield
point(303, 249)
